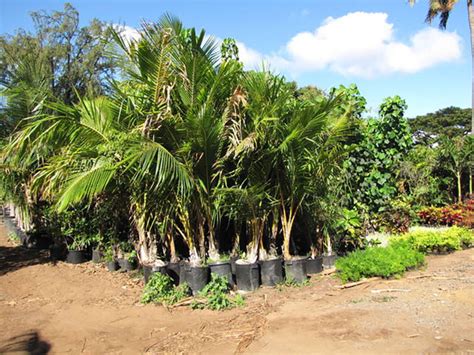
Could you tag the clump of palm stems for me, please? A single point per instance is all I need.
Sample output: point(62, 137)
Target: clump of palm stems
point(204, 155)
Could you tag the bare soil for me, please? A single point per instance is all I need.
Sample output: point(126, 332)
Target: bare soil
point(65, 308)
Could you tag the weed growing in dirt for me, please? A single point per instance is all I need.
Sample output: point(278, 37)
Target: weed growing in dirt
point(290, 282)
point(384, 262)
point(216, 294)
point(13, 237)
point(431, 240)
point(160, 289)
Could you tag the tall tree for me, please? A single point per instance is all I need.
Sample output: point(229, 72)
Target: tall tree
point(450, 121)
point(72, 58)
point(443, 8)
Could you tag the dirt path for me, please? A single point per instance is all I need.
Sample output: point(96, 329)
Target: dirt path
point(74, 309)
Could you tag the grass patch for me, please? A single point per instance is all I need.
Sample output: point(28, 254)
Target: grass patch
point(391, 261)
point(437, 240)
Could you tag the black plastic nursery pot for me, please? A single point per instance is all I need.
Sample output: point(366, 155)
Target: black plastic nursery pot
point(149, 270)
point(76, 257)
point(295, 270)
point(97, 255)
point(247, 276)
point(195, 276)
point(314, 266)
point(112, 265)
point(57, 252)
point(126, 265)
point(329, 261)
point(271, 271)
point(173, 269)
point(224, 269)
point(233, 259)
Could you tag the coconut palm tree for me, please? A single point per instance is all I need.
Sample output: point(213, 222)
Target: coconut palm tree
point(443, 8)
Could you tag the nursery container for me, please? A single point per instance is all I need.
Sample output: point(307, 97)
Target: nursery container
point(149, 270)
point(97, 255)
point(271, 271)
point(295, 269)
point(195, 276)
point(57, 252)
point(314, 266)
point(247, 275)
point(223, 268)
point(112, 265)
point(329, 261)
point(173, 269)
point(233, 260)
point(76, 257)
point(126, 265)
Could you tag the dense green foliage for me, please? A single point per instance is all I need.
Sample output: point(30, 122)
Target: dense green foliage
point(430, 240)
point(160, 289)
point(216, 295)
point(371, 164)
point(393, 260)
point(186, 154)
point(450, 121)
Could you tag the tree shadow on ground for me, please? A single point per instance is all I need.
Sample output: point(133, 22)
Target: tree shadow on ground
point(30, 343)
point(17, 257)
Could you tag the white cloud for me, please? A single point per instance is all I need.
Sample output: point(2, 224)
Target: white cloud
point(359, 44)
point(128, 33)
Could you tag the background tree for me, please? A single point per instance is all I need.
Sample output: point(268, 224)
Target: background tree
point(371, 164)
point(71, 58)
point(450, 121)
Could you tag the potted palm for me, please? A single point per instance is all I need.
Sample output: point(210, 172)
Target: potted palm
point(127, 259)
point(109, 257)
point(98, 250)
point(222, 267)
point(77, 250)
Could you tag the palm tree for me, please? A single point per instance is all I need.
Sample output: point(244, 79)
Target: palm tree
point(443, 8)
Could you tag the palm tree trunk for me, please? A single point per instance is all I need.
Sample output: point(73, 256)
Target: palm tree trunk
point(470, 15)
point(287, 220)
point(458, 178)
point(470, 182)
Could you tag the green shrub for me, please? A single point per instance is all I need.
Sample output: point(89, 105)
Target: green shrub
point(376, 261)
point(431, 240)
point(217, 295)
point(160, 289)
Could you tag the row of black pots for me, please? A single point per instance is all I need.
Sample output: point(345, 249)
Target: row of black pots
point(245, 276)
point(121, 264)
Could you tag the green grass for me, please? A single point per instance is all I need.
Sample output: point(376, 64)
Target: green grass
point(387, 262)
point(403, 252)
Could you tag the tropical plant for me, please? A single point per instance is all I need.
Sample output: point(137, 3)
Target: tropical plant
point(371, 164)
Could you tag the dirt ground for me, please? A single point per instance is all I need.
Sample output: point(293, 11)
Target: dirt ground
point(74, 309)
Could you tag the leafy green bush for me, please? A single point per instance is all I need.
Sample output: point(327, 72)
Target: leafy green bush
point(375, 261)
point(217, 295)
point(431, 240)
point(160, 289)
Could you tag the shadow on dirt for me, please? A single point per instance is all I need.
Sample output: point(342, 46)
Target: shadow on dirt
point(29, 343)
point(17, 257)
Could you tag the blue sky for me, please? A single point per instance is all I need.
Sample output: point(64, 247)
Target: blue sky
point(382, 46)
